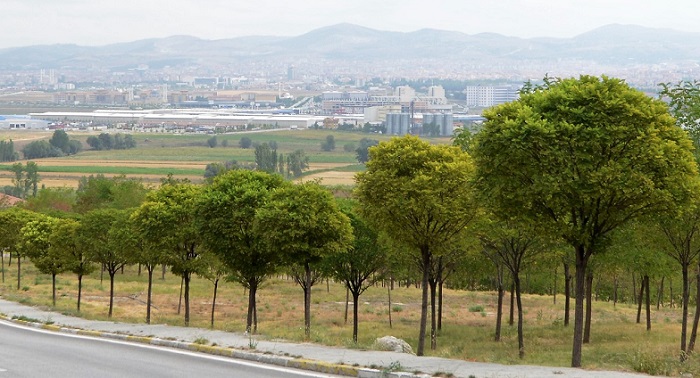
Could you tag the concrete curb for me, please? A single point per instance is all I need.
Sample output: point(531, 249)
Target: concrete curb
point(261, 357)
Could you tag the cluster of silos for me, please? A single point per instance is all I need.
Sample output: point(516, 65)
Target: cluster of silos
point(444, 122)
point(398, 123)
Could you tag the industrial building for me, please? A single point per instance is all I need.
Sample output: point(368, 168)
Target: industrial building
point(21, 122)
point(488, 96)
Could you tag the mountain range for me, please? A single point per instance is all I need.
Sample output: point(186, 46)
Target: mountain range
point(607, 45)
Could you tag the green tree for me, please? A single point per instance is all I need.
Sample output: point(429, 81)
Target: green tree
point(328, 144)
point(65, 242)
point(32, 177)
point(7, 151)
point(101, 233)
point(245, 142)
point(303, 221)
point(226, 222)
point(120, 192)
point(297, 162)
point(60, 140)
point(361, 265)
point(12, 220)
point(36, 244)
point(40, 149)
point(582, 157)
point(266, 158)
point(52, 201)
point(212, 142)
point(421, 196)
point(172, 218)
point(150, 251)
point(362, 152)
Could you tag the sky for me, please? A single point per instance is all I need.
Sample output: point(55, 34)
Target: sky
point(101, 22)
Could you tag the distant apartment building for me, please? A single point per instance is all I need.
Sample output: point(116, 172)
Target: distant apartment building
point(488, 96)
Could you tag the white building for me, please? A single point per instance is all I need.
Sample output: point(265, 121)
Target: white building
point(488, 96)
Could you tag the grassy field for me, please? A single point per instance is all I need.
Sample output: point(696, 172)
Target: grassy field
point(186, 156)
point(618, 343)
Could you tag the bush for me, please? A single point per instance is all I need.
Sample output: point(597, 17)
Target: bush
point(245, 142)
point(328, 144)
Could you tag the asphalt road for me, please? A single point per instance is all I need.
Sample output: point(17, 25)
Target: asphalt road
point(27, 352)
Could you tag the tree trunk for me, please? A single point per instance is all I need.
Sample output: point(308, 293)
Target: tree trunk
point(684, 321)
point(19, 271)
point(53, 288)
point(581, 263)
point(249, 328)
point(187, 276)
point(307, 301)
point(615, 285)
point(646, 283)
point(660, 294)
point(162, 275)
point(696, 318)
point(213, 302)
point(634, 289)
point(521, 343)
point(389, 298)
point(355, 305)
point(589, 306)
point(425, 256)
point(111, 292)
point(2, 260)
point(499, 309)
point(640, 301)
point(149, 295)
point(80, 289)
point(567, 294)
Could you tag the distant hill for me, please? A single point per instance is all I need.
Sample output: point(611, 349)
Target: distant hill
point(612, 44)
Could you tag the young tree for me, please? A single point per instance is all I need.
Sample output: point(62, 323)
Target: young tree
point(226, 222)
point(64, 240)
point(304, 223)
point(101, 232)
point(266, 158)
point(360, 265)
point(421, 196)
point(12, 220)
point(245, 142)
point(362, 152)
point(172, 218)
point(60, 140)
point(212, 142)
point(36, 244)
point(582, 157)
point(297, 163)
point(328, 144)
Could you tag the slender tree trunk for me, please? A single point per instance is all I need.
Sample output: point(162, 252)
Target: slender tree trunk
point(615, 285)
point(670, 288)
point(684, 321)
point(53, 288)
point(139, 273)
point(425, 255)
point(355, 300)
point(640, 301)
point(521, 342)
point(307, 301)
point(581, 263)
point(511, 316)
point(213, 302)
point(567, 294)
point(149, 295)
point(660, 294)
point(111, 291)
point(696, 318)
point(162, 275)
point(2, 257)
point(253, 284)
point(648, 306)
point(187, 276)
point(80, 289)
point(589, 307)
point(499, 309)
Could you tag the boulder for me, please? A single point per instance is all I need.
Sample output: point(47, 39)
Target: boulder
point(391, 343)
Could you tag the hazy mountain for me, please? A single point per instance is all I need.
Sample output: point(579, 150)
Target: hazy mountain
point(612, 44)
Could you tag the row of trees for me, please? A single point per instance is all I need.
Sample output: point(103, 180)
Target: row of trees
point(106, 141)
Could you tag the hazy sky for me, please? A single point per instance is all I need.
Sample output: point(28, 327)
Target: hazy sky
point(100, 22)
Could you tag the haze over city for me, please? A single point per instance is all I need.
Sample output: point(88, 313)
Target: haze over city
point(87, 22)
